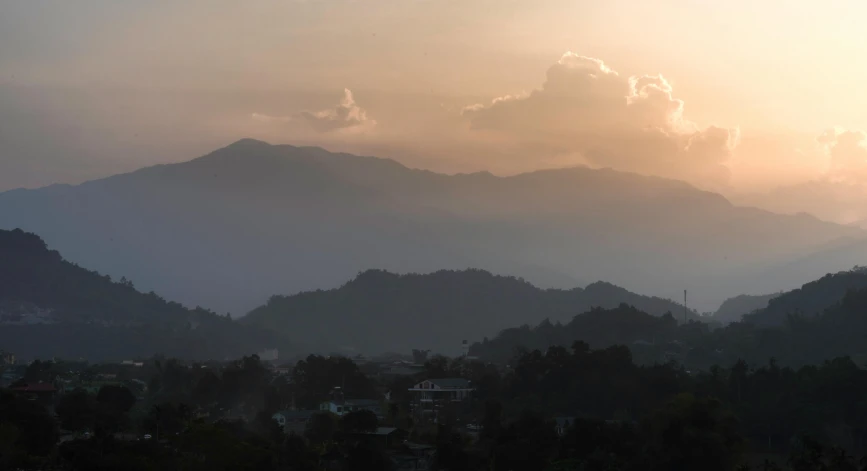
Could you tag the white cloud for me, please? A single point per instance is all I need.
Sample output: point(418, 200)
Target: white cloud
point(345, 115)
point(630, 123)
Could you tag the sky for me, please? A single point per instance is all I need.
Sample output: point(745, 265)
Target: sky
point(734, 96)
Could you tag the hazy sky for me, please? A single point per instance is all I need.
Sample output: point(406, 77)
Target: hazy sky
point(729, 95)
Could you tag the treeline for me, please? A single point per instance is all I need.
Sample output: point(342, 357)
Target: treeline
point(840, 330)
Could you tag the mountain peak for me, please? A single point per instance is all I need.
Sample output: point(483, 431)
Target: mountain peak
point(247, 143)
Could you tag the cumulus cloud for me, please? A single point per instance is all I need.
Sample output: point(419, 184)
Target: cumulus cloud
point(630, 123)
point(847, 154)
point(347, 116)
point(343, 116)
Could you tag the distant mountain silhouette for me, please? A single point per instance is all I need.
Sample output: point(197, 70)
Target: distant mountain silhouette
point(811, 299)
point(380, 311)
point(50, 307)
point(231, 228)
point(733, 309)
point(837, 201)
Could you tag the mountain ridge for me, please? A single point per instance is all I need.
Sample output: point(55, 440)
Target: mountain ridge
point(51, 307)
point(379, 310)
point(264, 219)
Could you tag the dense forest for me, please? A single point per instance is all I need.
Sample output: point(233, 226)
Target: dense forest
point(50, 307)
point(381, 311)
point(832, 324)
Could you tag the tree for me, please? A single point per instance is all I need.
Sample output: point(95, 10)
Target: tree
point(116, 398)
point(692, 433)
point(76, 410)
point(321, 428)
point(36, 429)
point(359, 421)
point(419, 357)
point(492, 421)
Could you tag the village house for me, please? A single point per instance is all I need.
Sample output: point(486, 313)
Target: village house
point(430, 396)
point(345, 406)
point(340, 406)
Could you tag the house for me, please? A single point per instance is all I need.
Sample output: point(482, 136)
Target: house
point(294, 421)
point(445, 389)
point(338, 405)
point(345, 406)
point(431, 395)
point(562, 424)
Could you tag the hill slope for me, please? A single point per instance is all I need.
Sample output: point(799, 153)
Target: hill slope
point(734, 308)
point(810, 299)
point(50, 307)
point(231, 228)
point(380, 311)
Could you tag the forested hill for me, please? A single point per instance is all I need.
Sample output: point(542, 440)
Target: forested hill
point(810, 299)
point(824, 319)
point(50, 307)
point(599, 328)
point(380, 311)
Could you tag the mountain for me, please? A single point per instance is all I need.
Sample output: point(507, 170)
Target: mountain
point(380, 311)
point(837, 201)
point(231, 228)
point(51, 307)
point(823, 319)
point(733, 309)
point(811, 299)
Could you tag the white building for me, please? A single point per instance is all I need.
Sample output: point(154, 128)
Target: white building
point(431, 395)
point(344, 406)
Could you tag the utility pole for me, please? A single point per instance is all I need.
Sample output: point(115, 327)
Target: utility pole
point(684, 307)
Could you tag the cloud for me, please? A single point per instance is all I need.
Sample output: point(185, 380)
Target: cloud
point(847, 154)
point(629, 123)
point(345, 115)
point(270, 119)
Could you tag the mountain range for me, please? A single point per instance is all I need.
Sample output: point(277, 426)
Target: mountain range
point(379, 311)
point(230, 229)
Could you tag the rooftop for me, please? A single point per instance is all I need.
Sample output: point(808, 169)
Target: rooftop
point(450, 383)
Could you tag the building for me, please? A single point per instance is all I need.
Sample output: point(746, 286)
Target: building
point(7, 358)
point(294, 421)
point(339, 405)
point(345, 406)
point(562, 424)
point(432, 395)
